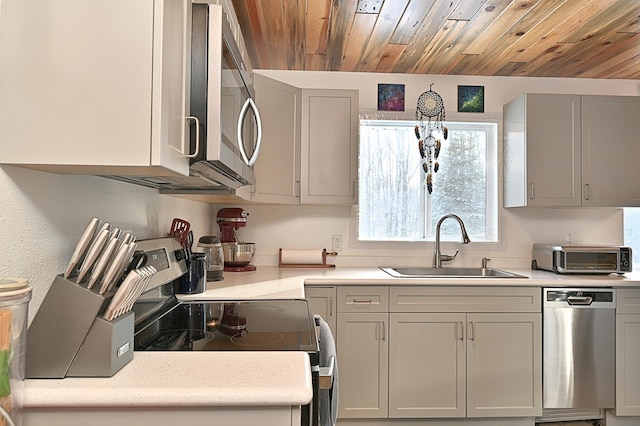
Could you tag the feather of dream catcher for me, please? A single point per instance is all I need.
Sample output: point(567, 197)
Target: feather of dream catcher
point(430, 105)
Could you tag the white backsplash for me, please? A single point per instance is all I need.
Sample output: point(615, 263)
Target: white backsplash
point(311, 227)
point(43, 215)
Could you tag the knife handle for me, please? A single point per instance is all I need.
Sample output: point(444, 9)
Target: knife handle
point(101, 264)
point(81, 246)
point(110, 275)
point(92, 254)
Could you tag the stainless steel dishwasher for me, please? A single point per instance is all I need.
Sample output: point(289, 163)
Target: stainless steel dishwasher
point(579, 347)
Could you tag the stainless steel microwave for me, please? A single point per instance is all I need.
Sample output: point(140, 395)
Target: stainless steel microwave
point(222, 100)
point(582, 259)
point(225, 125)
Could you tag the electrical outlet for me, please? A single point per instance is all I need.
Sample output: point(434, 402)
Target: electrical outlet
point(336, 243)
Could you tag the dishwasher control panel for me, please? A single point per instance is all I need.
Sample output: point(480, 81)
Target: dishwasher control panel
point(579, 298)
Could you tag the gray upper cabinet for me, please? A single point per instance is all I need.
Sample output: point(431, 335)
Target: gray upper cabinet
point(571, 150)
point(610, 151)
point(309, 149)
point(278, 166)
point(96, 87)
point(329, 155)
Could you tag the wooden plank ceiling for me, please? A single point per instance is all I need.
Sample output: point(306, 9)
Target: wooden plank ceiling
point(532, 38)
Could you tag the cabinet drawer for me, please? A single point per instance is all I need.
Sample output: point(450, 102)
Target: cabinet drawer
point(363, 299)
point(465, 299)
point(628, 301)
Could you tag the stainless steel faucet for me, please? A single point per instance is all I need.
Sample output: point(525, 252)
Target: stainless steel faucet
point(438, 257)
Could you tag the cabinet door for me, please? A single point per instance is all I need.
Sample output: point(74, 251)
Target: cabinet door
point(504, 365)
point(427, 365)
point(170, 130)
point(278, 166)
point(363, 363)
point(323, 303)
point(627, 365)
point(542, 151)
point(329, 160)
point(80, 95)
point(610, 150)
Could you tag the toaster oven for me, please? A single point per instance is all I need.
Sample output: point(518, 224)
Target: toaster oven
point(582, 259)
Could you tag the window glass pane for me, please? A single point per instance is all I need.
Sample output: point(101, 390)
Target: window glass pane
point(460, 184)
point(632, 234)
point(391, 205)
point(394, 203)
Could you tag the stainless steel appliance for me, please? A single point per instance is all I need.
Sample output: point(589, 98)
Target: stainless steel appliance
point(233, 325)
point(581, 259)
point(578, 348)
point(227, 143)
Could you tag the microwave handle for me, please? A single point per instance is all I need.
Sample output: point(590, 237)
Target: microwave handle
point(249, 103)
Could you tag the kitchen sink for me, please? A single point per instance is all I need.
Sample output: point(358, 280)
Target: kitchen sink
point(408, 272)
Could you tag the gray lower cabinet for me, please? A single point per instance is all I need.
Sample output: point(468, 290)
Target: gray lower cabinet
point(628, 352)
point(465, 365)
point(323, 303)
point(363, 351)
point(438, 352)
point(363, 361)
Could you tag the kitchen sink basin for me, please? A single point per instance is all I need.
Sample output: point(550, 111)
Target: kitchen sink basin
point(418, 272)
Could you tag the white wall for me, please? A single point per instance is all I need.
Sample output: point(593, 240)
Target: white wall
point(272, 227)
point(42, 215)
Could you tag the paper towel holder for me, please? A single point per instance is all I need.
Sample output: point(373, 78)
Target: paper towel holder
point(324, 263)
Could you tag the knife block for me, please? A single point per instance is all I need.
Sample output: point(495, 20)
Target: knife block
point(67, 338)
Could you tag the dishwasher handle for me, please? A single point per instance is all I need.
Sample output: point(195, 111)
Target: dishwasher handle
point(579, 300)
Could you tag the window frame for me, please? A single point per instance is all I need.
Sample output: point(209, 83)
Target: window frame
point(492, 123)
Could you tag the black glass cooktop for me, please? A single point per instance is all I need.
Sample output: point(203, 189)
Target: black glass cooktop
point(255, 325)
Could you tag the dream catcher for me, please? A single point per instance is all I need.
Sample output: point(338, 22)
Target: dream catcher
point(430, 105)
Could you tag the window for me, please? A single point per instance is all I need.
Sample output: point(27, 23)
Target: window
point(632, 234)
point(394, 202)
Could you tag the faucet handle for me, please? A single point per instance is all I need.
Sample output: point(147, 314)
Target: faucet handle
point(448, 257)
point(485, 262)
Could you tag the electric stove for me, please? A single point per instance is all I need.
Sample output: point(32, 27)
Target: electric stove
point(167, 324)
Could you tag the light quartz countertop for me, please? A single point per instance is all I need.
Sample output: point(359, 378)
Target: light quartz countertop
point(272, 282)
point(188, 379)
point(253, 378)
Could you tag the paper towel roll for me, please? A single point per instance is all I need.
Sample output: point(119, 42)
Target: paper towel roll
point(301, 257)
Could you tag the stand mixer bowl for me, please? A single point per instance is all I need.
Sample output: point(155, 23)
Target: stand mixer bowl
point(237, 254)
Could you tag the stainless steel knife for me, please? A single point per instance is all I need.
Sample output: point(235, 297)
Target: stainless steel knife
point(92, 254)
point(110, 274)
point(121, 295)
point(82, 246)
point(104, 260)
point(131, 248)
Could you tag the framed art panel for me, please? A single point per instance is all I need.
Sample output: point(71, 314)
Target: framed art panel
point(390, 97)
point(470, 98)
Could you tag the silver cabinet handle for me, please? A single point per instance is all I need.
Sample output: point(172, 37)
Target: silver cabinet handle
point(243, 113)
point(472, 331)
point(331, 306)
point(362, 301)
point(587, 191)
point(384, 331)
point(531, 192)
point(460, 330)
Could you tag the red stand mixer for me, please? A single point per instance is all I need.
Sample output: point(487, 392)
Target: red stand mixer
point(237, 254)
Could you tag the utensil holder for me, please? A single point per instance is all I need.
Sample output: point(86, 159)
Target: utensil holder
point(67, 338)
